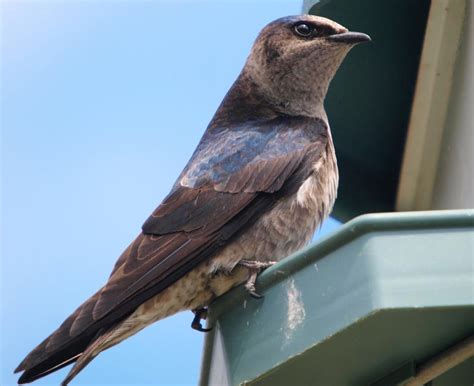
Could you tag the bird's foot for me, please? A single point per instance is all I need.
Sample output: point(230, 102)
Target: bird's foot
point(254, 267)
point(200, 314)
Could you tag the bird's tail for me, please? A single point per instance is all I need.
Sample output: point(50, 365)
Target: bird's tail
point(61, 348)
point(51, 364)
point(100, 344)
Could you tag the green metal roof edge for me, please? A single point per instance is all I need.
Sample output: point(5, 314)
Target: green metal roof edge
point(362, 225)
point(357, 227)
point(352, 326)
point(206, 358)
point(293, 357)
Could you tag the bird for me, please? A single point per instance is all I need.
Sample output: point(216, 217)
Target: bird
point(263, 177)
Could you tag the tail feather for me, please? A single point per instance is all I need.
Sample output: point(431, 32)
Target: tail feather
point(34, 374)
point(54, 362)
point(94, 349)
point(81, 352)
point(62, 348)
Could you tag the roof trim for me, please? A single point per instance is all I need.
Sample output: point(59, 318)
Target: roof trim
point(430, 105)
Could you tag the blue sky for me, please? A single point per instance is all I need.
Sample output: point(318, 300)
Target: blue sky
point(102, 104)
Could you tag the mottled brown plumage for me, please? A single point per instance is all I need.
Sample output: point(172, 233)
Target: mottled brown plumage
point(262, 178)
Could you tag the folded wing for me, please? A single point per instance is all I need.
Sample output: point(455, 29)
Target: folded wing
point(234, 175)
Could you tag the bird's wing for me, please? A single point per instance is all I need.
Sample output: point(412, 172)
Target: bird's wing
point(233, 176)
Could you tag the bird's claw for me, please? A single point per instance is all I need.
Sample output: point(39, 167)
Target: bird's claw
point(199, 314)
point(254, 267)
point(254, 294)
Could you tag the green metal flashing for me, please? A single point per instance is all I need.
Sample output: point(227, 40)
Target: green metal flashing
point(403, 281)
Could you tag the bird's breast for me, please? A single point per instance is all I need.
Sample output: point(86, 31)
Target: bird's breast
point(291, 223)
point(318, 192)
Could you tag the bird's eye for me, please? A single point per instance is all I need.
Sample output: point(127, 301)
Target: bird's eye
point(304, 29)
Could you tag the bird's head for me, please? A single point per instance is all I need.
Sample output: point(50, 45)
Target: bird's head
point(294, 59)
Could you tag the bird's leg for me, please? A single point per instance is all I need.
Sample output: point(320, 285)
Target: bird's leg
point(254, 267)
point(200, 314)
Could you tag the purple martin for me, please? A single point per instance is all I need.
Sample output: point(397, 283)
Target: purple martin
point(260, 181)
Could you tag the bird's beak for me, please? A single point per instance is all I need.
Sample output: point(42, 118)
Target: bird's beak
point(350, 38)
